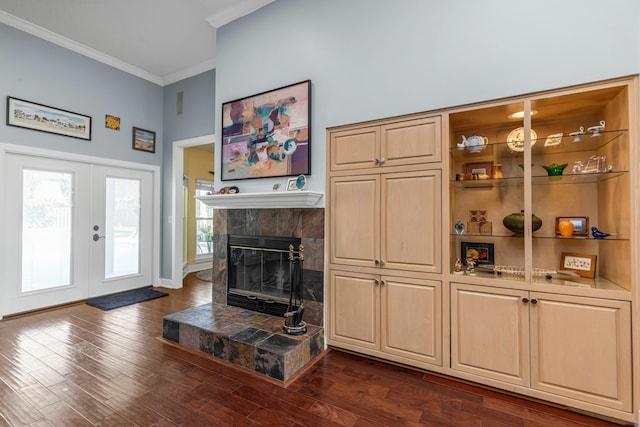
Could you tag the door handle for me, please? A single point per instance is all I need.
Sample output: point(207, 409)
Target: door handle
point(96, 237)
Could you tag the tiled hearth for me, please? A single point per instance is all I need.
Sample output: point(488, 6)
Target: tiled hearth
point(245, 338)
point(249, 339)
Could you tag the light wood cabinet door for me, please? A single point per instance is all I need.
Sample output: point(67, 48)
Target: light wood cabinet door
point(355, 148)
point(490, 333)
point(354, 309)
point(411, 318)
point(355, 220)
point(411, 221)
point(411, 142)
point(581, 348)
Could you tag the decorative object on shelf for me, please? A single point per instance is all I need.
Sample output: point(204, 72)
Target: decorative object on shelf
point(478, 223)
point(233, 190)
point(144, 140)
point(296, 184)
point(515, 222)
point(223, 190)
point(471, 270)
point(515, 270)
point(554, 169)
point(473, 144)
point(29, 115)
point(565, 228)
point(482, 168)
point(583, 265)
point(580, 225)
point(596, 164)
point(577, 134)
point(597, 234)
point(515, 139)
point(459, 227)
point(553, 139)
point(458, 267)
point(275, 187)
point(496, 171)
point(595, 130)
point(481, 253)
point(267, 134)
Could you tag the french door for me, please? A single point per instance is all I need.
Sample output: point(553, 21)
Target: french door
point(73, 230)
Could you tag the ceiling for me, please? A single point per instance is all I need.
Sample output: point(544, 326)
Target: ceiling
point(162, 41)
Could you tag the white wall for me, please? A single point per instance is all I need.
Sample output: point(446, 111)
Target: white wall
point(369, 59)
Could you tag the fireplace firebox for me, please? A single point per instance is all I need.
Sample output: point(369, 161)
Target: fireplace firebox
point(259, 274)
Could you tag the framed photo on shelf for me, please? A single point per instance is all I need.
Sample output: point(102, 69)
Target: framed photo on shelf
point(479, 168)
point(582, 264)
point(580, 224)
point(268, 134)
point(29, 115)
point(144, 140)
point(482, 253)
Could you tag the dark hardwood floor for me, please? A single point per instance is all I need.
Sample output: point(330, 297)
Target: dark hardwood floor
point(80, 366)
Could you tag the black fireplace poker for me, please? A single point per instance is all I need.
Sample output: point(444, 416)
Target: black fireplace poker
point(293, 323)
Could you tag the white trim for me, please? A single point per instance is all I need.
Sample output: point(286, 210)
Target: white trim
point(236, 11)
point(66, 43)
point(178, 204)
point(207, 65)
point(61, 155)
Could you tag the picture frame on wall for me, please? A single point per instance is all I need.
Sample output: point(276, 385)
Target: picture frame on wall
point(268, 134)
point(144, 140)
point(482, 253)
point(43, 118)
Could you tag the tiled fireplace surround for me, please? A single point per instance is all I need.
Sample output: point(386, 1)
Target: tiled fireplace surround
point(253, 340)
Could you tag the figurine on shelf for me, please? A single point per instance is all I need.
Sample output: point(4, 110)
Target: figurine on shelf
point(471, 264)
point(597, 234)
point(458, 267)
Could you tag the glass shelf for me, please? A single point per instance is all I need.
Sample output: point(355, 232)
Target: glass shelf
point(583, 178)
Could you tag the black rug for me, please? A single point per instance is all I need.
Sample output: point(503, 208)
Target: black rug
point(121, 299)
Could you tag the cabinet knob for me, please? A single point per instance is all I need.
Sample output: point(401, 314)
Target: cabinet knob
point(534, 301)
point(525, 300)
point(376, 261)
point(376, 282)
point(381, 262)
point(382, 282)
point(380, 160)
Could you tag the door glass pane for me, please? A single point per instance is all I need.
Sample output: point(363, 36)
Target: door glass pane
point(46, 229)
point(122, 227)
point(204, 226)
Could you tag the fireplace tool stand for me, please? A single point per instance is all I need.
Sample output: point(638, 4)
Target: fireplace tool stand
point(293, 323)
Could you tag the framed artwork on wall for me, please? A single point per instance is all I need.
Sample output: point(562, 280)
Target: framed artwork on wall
point(268, 134)
point(29, 115)
point(144, 140)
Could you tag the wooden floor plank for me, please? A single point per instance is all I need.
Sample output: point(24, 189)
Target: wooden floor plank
point(79, 366)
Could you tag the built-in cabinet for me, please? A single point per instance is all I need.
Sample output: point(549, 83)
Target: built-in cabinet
point(385, 193)
point(422, 223)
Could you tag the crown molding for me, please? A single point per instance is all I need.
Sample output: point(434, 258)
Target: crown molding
point(241, 9)
point(189, 72)
point(59, 40)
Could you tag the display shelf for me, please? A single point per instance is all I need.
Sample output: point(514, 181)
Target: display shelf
point(273, 200)
point(588, 142)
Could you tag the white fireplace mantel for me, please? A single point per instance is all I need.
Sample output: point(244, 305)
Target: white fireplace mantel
point(273, 200)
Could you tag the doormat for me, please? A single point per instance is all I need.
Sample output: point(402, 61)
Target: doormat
point(205, 275)
point(121, 299)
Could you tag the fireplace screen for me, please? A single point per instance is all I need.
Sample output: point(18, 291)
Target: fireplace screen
point(259, 272)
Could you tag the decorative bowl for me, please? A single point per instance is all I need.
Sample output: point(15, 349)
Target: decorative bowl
point(515, 222)
point(554, 169)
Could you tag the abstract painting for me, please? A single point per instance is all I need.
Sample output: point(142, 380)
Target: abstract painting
point(268, 134)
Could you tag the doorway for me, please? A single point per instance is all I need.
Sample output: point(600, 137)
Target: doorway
point(74, 230)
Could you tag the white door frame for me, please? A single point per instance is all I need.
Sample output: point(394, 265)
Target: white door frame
point(6, 148)
point(177, 234)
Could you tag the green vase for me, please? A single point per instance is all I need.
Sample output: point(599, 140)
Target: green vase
point(515, 222)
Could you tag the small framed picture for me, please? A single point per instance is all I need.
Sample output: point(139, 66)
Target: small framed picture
point(111, 122)
point(482, 253)
point(144, 140)
point(580, 224)
point(296, 184)
point(482, 168)
point(582, 264)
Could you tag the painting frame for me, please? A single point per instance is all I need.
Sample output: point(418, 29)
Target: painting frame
point(487, 249)
point(584, 265)
point(580, 224)
point(267, 134)
point(44, 118)
point(143, 140)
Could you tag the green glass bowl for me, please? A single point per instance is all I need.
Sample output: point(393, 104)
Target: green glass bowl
point(554, 169)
